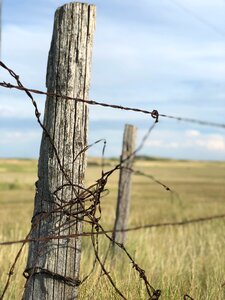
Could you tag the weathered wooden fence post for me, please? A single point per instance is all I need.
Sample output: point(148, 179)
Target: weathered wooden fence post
point(53, 265)
point(124, 191)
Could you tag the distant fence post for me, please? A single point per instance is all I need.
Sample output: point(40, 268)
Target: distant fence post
point(53, 265)
point(124, 190)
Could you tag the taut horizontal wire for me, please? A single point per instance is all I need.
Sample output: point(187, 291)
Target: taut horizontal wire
point(156, 225)
point(153, 113)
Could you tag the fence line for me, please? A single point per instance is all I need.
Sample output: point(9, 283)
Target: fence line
point(90, 213)
point(129, 229)
point(93, 194)
point(154, 113)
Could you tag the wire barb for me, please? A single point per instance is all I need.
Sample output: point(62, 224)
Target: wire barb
point(155, 115)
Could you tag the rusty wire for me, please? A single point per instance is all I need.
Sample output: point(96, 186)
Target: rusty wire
point(186, 297)
point(129, 229)
point(154, 113)
point(91, 214)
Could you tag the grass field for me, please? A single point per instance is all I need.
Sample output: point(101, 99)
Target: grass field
point(178, 260)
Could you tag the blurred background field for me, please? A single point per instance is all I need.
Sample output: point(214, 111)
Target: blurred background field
point(177, 260)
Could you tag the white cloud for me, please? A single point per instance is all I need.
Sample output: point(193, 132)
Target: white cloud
point(155, 143)
point(11, 137)
point(193, 144)
point(5, 112)
point(20, 143)
point(25, 50)
point(18, 105)
point(174, 145)
point(147, 54)
point(215, 143)
point(192, 133)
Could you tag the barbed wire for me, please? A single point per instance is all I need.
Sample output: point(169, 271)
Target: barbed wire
point(129, 229)
point(154, 113)
point(186, 297)
point(93, 194)
point(90, 213)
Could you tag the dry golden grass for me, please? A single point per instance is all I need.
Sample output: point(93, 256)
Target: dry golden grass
point(178, 260)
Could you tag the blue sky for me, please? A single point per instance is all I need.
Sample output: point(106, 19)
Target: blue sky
point(167, 55)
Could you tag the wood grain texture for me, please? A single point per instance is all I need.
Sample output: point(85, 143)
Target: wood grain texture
point(124, 191)
point(68, 73)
